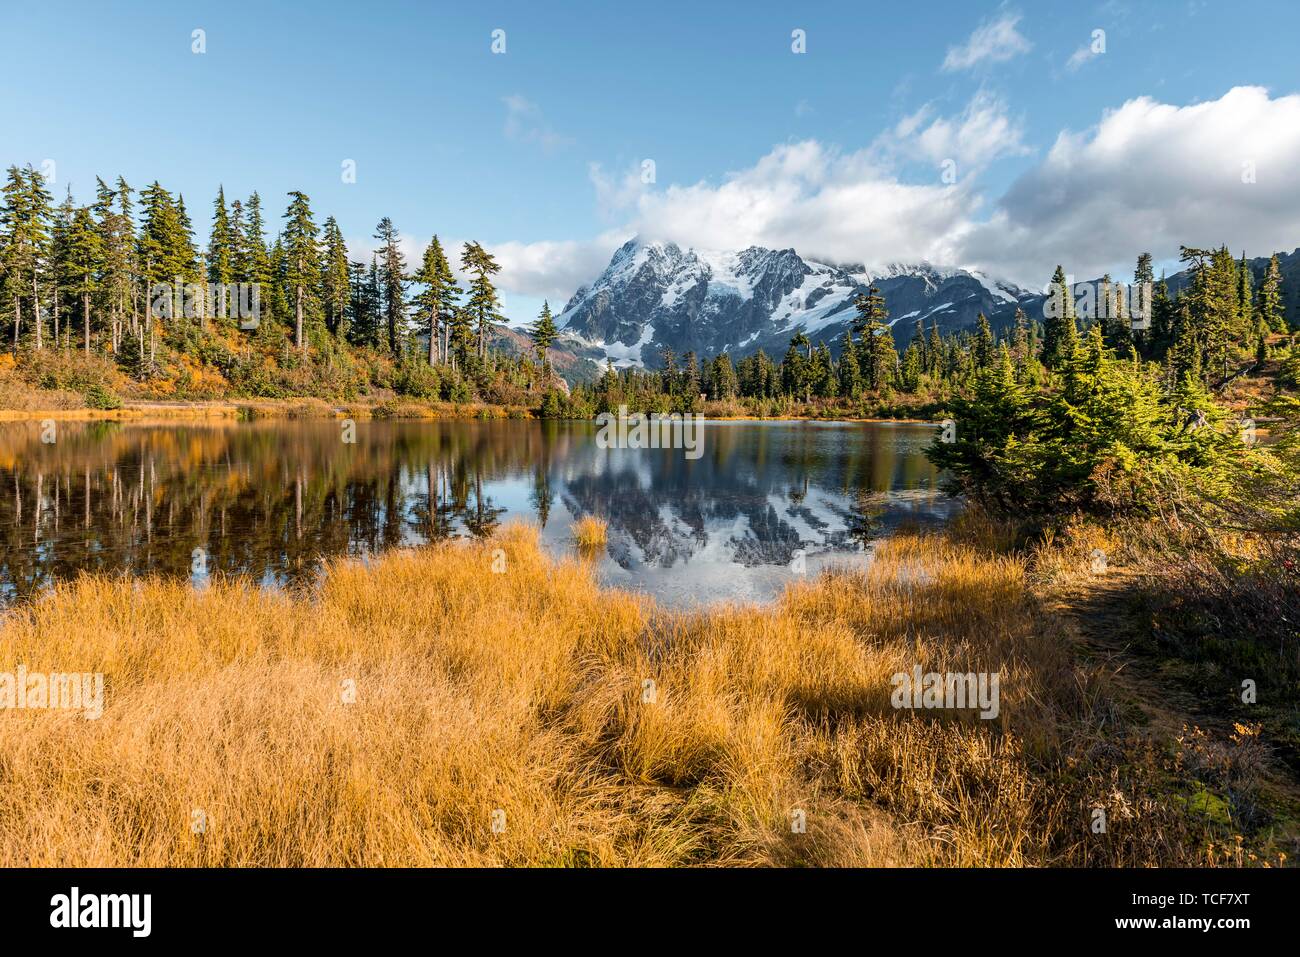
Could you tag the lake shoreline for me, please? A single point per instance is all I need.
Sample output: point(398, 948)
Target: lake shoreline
point(243, 409)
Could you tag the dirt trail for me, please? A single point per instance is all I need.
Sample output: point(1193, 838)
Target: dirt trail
point(1107, 630)
point(1101, 617)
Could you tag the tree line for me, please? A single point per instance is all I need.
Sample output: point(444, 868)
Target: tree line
point(100, 278)
point(1217, 318)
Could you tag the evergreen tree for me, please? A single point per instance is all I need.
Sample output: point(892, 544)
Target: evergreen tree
point(300, 262)
point(543, 333)
point(437, 302)
point(723, 384)
point(984, 347)
point(1246, 323)
point(934, 352)
point(690, 378)
point(393, 282)
point(1060, 334)
point(336, 283)
point(482, 303)
point(221, 253)
point(1270, 297)
point(62, 279)
point(84, 262)
point(794, 369)
point(116, 228)
point(821, 372)
point(850, 374)
point(254, 257)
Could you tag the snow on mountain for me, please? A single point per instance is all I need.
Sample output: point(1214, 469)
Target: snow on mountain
point(655, 296)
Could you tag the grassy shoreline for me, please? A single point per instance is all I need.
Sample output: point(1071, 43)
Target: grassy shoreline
point(387, 717)
point(138, 410)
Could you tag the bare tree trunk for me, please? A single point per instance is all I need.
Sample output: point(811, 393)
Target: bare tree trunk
point(18, 319)
point(36, 309)
point(297, 322)
point(85, 318)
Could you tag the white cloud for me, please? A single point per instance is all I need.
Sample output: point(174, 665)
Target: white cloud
point(1081, 56)
point(553, 270)
point(1148, 177)
point(615, 194)
point(526, 124)
point(1151, 176)
point(825, 203)
point(981, 133)
point(993, 41)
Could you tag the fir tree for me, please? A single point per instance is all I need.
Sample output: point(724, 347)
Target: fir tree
point(335, 279)
point(300, 262)
point(393, 281)
point(84, 262)
point(482, 303)
point(543, 333)
point(1060, 333)
point(437, 301)
point(221, 253)
point(984, 347)
point(1270, 297)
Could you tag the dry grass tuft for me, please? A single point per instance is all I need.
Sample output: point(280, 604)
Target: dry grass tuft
point(396, 714)
point(590, 532)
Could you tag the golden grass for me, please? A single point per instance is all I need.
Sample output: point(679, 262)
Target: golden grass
point(590, 532)
point(20, 399)
point(395, 714)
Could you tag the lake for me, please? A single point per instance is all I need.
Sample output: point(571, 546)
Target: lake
point(269, 499)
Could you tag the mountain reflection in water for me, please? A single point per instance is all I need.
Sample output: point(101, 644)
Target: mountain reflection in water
point(270, 499)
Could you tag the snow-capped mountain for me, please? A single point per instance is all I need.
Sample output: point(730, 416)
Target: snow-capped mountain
point(655, 296)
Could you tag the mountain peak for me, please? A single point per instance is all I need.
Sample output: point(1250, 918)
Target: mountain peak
point(656, 296)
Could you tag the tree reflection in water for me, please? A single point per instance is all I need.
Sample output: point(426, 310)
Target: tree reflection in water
point(270, 499)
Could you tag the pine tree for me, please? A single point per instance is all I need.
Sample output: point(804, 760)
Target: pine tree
point(437, 301)
point(63, 281)
point(1116, 328)
point(850, 374)
point(1245, 300)
point(84, 262)
point(984, 346)
point(794, 369)
point(543, 333)
point(301, 263)
point(25, 235)
point(188, 252)
point(1144, 283)
point(393, 281)
point(723, 383)
point(1060, 333)
point(254, 257)
point(1270, 297)
point(335, 279)
point(690, 378)
point(116, 240)
point(822, 373)
point(221, 253)
point(934, 352)
point(482, 305)
point(165, 262)
point(910, 373)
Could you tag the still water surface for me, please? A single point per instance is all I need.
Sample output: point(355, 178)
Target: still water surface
point(270, 499)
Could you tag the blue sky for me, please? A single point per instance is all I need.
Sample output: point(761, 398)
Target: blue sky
point(838, 151)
